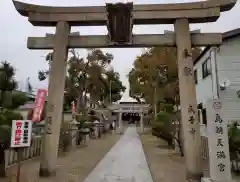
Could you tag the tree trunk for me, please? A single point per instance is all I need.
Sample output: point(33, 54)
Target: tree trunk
point(2, 163)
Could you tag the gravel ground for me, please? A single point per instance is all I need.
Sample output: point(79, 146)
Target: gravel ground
point(71, 167)
point(165, 165)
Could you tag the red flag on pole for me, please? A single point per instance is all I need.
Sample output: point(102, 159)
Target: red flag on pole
point(39, 105)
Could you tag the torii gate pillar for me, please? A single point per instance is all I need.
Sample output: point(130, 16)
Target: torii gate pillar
point(55, 100)
point(188, 101)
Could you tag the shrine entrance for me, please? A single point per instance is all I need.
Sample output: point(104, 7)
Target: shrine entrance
point(129, 108)
point(119, 19)
point(131, 118)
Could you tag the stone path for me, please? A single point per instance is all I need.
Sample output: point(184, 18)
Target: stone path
point(125, 162)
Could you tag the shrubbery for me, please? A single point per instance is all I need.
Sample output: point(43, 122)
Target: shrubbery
point(162, 127)
point(167, 127)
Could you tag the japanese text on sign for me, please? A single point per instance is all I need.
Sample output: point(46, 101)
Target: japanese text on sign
point(191, 119)
point(21, 133)
point(219, 160)
point(220, 154)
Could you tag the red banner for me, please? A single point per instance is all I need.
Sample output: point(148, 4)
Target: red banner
point(39, 105)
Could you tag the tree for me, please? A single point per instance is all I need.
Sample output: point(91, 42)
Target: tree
point(9, 100)
point(88, 76)
point(154, 78)
point(167, 126)
point(43, 74)
point(154, 74)
point(114, 86)
point(7, 82)
point(91, 77)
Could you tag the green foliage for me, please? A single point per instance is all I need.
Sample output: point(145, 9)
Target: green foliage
point(9, 100)
point(90, 76)
point(163, 127)
point(5, 136)
point(7, 81)
point(164, 117)
point(43, 74)
point(114, 86)
point(154, 76)
point(7, 116)
point(17, 99)
point(234, 139)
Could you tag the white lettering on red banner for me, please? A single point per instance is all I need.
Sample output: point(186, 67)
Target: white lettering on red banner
point(21, 133)
point(39, 105)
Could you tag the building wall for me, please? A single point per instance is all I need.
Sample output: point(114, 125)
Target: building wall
point(204, 87)
point(228, 59)
point(228, 68)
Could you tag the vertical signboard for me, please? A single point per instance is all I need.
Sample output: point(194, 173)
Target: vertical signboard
point(220, 169)
point(21, 133)
point(39, 105)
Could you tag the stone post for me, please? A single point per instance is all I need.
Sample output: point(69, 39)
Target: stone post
point(190, 125)
point(120, 123)
point(55, 101)
point(96, 131)
point(219, 158)
point(141, 122)
point(74, 133)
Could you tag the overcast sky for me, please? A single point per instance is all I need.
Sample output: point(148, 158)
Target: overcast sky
point(15, 29)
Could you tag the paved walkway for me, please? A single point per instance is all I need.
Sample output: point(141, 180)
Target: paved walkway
point(125, 162)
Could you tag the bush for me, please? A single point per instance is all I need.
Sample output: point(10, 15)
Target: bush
point(234, 140)
point(9, 116)
point(5, 136)
point(163, 127)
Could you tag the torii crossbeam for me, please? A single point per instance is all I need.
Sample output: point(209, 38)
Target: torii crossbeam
point(197, 12)
point(119, 19)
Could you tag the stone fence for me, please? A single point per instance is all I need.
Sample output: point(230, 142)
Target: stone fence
point(35, 149)
point(28, 153)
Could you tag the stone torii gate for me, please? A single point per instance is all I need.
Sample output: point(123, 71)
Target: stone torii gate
point(141, 109)
point(120, 19)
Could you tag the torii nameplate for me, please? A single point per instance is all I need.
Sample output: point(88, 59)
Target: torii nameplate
point(196, 12)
